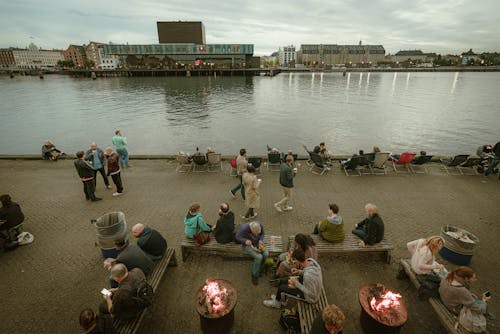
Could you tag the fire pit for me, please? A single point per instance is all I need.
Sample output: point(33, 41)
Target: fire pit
point(215, 302)
point(382, 311)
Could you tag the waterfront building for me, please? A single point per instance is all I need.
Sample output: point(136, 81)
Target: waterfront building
point(470, 58)
point(334, 54)
point(76, 54)
point(35, 58)
point(287, 55)
point(416, 56)
point(92, 52)
point(176, 32)
point(107, 62)
point(7, 58)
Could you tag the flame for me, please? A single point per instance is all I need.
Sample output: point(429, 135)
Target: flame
point(388, 300)
point(215, 295)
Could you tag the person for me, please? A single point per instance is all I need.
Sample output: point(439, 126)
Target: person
point(10, 213)
point(324, 152)
point(361, 154)
point(495, 161)
point(251, 238)
point(121, 305)
point(209, 151)
point(484, 151)
point(150, 241)
point(126, 279)
point(114, 170)
point(330, 321)
point(307, 285)
point(423, 255)
point(95, 156)
point(371, 229)
point(224, 227)
point(194, 222)
point(86, 173)
point(455, 294)
point(252, 197)
point(241, 168)
point(332, 227)
point(302, 241)
point(120, 143)
point(286, 181)
point(49, 151)
point(92, 323)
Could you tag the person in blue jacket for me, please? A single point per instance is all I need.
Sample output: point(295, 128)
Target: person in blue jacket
point(194, 222)
point(251, 238)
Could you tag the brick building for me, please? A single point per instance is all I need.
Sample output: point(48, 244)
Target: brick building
point(77, 54)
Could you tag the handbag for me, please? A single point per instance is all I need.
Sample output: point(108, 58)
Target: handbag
point(201, 237)
point(473, 322)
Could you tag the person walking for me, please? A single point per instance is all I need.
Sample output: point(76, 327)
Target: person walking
point(120, 143)
point(241, 168)
point(287, 173)
point(495, 161)
point(86, 173)
point(114, 170)
point(95, 156)
point(251, 184)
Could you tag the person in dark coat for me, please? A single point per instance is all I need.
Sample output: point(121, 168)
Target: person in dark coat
point(10, 213)
point(86, 173)
point(96, 324)
point(95, 156)
point(224, 228)
point(371, 229)
point(495, 161)
point(287, 173)
point(330, 321)
point(150, 241)
point(132, 256)
point(114, 170)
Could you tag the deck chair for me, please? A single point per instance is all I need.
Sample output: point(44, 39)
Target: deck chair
point(214, 162)
point(256, 162)
point(469, 164)
point(449, 164)
point(309, 162)
point(404, 160)
point(418, 164)
point(200, 163)
point(185, 165)
point(379, 162)
point(233, 171)
point(355, 164)
point(273, 160)
point(319, 166)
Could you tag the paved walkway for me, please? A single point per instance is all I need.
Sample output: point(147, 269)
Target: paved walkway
point(44, 285)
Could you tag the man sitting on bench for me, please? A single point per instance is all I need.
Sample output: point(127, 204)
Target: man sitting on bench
point(330, 321)
point(150, 241)
point(306, 285)
point(371, 229)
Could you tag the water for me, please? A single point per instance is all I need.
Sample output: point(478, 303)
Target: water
point(442, 113)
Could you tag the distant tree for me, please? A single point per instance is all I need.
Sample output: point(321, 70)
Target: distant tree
point(89, 63)
point(65, 63)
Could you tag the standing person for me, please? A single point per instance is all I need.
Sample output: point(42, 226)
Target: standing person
point(95, 156)
point(114, 170)
point(224, 228)
point(287, 173)
point(86, 173)
point(332, 227)
point(496, 160)
point(251, 184)
point(241, 168)
point(120, 143)
point(251, 238)
point(371, 229)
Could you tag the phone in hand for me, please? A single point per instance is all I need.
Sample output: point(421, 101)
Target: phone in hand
point(105, 292)
point(487, 294)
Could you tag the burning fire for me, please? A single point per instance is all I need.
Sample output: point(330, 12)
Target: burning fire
point(215, 296)
point(386, 301)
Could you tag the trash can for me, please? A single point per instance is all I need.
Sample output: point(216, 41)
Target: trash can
point(459, 245)
point(110, 227)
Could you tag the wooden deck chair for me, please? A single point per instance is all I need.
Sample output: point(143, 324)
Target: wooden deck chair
point(214, 162)
point(256, 162)
point(404, 161)
point(273, 160)
point(319, 166)
point(469, 165)
point(418, 164)
point(200, 163)
point(185, 165)
point(355, 164)
point(379, 162)
point(450, 164)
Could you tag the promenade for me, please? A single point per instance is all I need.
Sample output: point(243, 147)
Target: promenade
point(44, 285)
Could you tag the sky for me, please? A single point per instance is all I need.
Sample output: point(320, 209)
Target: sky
point(440, 26)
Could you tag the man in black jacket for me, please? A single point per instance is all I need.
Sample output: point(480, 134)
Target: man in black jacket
point(496, 160)
point(371, 229)
point(150, 241)
point(86, 173)
point(95, 156)
point(224, 228)
point(287, 173)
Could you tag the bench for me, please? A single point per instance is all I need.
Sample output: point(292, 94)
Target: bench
point(273, 244)
point(308, 312)
point(154, 279)
point(448, 319)
point(350, 245)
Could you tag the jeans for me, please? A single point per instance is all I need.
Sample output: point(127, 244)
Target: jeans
point(494, 163)
point(287, 192)
point(284, 288)
point(104, 176)
point(259, 260)
point(123, 153)
point(117, 180)
point(359, 232)
point(239, 186)
point(89, 189)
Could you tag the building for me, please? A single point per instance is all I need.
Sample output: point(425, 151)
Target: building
point(92, 52)
point(76, 54)
point(413, 55)
point(287, 55)
point(181, 32)
point(470, 58)
point(7, 58)
point(107, 62)
point(334, 54)
point(34, 58)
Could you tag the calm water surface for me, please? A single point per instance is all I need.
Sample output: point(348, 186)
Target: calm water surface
point(442, 113)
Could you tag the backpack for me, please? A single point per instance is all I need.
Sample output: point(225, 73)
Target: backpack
point(144, 295)
point(289, 318)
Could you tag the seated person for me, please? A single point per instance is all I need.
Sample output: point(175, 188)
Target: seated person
point(285, 263)
point(49, 151)
point(371, 229)
point(371, 156)
point(251, 238)
point(332, 227)
point(150, 241)
point(330, 321)
point(306, 286)
point(10, 213)
point(224, 228)
point(126, 279)
point(186, 155)
point(96, 324)
point(271, 150)
point(194, 222)
point(420, 159)
point(324, 152)
point(364, 161)
point(121, 305)
point(484, 151)
point(423, 255)
point(209, 151)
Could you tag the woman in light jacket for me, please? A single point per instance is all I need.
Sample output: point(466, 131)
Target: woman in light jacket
point(251, 184)
point(423, 255)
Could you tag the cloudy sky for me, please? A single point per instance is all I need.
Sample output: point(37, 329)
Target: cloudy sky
point(441, 26)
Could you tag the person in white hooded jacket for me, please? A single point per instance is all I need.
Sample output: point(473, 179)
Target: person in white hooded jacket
point(423, 254)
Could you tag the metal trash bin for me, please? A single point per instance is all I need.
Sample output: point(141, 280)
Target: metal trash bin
point(459, 245)
point(110, 227)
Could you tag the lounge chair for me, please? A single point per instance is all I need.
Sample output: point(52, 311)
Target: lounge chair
point(379, 162)
point(318, 164)
point(419, 163)
point(309, 162)
point(449, 164)
point(273, 160)
point(214, 162)
point(200, 163)
point(404, 160)
point(256, 162)
point(469, 164)
point(185, 165)
point(355, 164)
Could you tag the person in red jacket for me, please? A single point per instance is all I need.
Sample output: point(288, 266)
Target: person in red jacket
point(113, 160)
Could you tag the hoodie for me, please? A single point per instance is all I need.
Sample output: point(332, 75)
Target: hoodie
point(312, 281)
point(332, 229)
point(191, 222)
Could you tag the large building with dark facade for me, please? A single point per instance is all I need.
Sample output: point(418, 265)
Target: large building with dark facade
point(333, 54)
point(181, 32)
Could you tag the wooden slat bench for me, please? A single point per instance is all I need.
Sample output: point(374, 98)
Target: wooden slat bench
point(154, 279)
point(273, 244)
point(309, 312)
point(350, 245)
point(448, 319)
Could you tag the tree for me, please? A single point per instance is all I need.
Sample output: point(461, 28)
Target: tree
point(89, 63)
point(65, 63)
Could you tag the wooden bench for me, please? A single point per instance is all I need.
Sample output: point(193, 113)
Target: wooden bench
point(308, 312)
point(154, 279)
point(448, 319)
point(273, 244)
point(350, 245)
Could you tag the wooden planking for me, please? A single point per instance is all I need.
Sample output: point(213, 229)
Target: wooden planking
point(273, 244)
point(308, 312)
point(448, 319)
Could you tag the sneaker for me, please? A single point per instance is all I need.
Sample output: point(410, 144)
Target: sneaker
point(255, 280)
point(277, 207)
point(272, 303)
point(117, 194)
point(288, 208)
point(254, 215)
point(108, 187)
point(96, 199)
point(232, 194)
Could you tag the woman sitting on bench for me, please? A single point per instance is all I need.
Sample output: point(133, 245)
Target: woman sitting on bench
point(285, 263)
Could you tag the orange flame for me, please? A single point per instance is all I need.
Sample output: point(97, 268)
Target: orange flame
point(215, 295)
point(388, 300)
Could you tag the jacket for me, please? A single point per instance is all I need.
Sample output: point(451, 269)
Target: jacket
point(241, 164)
point(47, 151)
point(191, 222)
point(286, 175)
point(152, 242)
point(12, 215)
point(496, 149)
point(455, 297)
point(84, 169)
point(244, 234)
point(422, 259)
point(89, 156)
point(312, 281)
point(119, 142)
point(332, 229)
point(131, 282)
point(251, 184)
point(224, 229)
point(113, 164)
point(132, 256)
point(374, 228)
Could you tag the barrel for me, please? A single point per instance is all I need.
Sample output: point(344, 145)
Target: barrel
point(459, 245)
point(110, 227)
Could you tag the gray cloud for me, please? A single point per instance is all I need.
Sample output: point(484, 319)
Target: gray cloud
point(443, 27)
